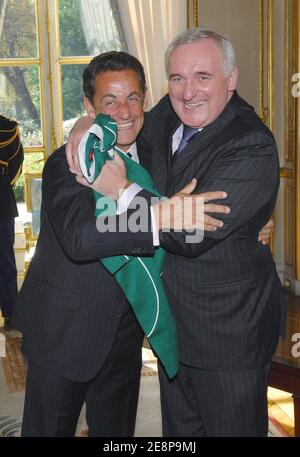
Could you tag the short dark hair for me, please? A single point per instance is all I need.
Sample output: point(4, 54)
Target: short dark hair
point(110, 61)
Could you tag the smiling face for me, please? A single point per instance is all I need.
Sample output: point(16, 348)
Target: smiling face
point(120, 95)
point(198, 87)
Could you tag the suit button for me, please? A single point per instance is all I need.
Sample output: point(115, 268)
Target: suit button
point(119, 314)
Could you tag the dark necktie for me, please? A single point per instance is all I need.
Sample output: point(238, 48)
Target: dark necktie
point(188, 134)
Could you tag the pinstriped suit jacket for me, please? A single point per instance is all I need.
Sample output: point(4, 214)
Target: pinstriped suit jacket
point(225, 292)
point(69, 307)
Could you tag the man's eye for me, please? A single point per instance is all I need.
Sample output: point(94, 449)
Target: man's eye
point(109, 102)
point(176, 78)
point(133, 100)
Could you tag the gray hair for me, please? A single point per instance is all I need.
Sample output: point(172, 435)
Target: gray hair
point(194, 35)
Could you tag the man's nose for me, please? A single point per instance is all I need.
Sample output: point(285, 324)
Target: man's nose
point(189, 90)
point(123, 110)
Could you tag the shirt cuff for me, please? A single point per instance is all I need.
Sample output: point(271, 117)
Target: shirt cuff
point(154, 229)
point(126, 197)
point(125, 200)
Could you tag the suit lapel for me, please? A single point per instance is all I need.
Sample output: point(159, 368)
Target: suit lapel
point(162, 154)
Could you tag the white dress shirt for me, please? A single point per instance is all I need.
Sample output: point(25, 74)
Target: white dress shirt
point(128, 195)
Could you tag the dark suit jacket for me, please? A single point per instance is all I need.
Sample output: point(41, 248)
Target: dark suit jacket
point(69, 307)
point(225, 292)
point(12, 154)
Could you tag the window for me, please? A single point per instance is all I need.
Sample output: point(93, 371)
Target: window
point(44, 47)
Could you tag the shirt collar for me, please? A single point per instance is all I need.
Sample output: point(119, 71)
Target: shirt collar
point(133, 152)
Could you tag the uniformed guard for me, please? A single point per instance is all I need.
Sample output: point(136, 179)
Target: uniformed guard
point(11, 158)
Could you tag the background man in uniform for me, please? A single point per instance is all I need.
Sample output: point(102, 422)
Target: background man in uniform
point(11, 158)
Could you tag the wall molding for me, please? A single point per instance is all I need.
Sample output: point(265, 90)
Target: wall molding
point(286, 173)
point(192, 13)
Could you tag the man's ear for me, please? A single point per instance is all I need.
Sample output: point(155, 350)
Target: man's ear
point(233, 79)
point(90, 109)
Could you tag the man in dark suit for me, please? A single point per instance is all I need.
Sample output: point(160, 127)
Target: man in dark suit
point(11, 159)
point(224, 290)
point(80, 335)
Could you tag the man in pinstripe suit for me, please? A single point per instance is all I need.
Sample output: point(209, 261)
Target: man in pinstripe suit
point(224, 291)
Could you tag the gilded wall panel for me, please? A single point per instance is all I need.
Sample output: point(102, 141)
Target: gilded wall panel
point(288, 223)
point(290, 56)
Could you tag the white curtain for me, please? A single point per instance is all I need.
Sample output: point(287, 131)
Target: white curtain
point(99, 26)
point(149, 26)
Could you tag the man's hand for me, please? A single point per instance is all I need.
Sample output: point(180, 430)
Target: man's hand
point(266, 231)
point(112, 180)
point(80, 127)
point(185, 212)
